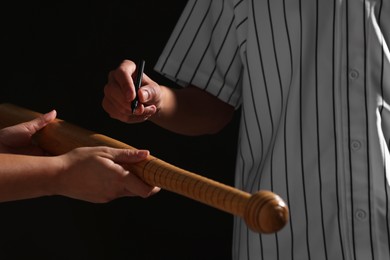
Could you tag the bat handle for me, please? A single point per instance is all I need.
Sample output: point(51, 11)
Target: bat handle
point(263, 212)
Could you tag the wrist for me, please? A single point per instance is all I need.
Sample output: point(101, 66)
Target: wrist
point(55, 173)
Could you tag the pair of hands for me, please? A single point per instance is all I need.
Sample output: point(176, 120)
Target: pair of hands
point(92, 174)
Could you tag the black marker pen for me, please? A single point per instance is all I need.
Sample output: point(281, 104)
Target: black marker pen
point(137, 83)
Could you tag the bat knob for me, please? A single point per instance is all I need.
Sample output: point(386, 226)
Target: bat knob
point(266, 212)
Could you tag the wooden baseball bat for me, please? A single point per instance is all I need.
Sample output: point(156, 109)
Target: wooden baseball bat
point(263, 212)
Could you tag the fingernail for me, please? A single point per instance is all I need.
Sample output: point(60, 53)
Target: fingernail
point(48, 116)
point(142, 153)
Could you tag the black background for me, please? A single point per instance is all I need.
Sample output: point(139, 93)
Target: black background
point(56, 55)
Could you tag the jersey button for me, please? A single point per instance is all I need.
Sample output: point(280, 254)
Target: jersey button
point(355, 144)
point(360, 214)
point(353, 74)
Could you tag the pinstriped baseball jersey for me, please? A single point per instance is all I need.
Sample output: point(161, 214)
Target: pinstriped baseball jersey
point(312, 78)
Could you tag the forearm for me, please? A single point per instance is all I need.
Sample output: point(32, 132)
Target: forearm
point(24, 177)
point(192, 111)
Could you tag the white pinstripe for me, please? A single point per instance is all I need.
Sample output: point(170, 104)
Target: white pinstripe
point(313, 80)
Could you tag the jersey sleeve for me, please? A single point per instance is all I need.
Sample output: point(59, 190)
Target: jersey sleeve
point(202, 51)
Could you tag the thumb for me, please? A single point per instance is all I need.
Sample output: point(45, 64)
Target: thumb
point(20, 135)
point(129, 155)
point(38, 123)
point(150, 93)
